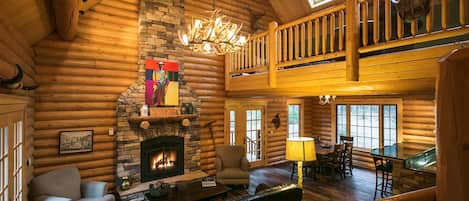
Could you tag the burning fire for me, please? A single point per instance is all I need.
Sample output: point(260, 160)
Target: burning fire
point(163, 160)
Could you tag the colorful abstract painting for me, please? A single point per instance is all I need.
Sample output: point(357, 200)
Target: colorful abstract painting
point(161, 83)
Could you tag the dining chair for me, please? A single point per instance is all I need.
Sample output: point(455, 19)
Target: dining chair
point(334, 161)
point(348, 160)
point(346, 139)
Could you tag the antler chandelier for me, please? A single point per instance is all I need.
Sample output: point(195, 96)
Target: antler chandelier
point(327, 99)
point(212, 35)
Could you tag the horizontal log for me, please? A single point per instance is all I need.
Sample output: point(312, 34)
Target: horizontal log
point(60, 97)
point(74, 106)
point(53, 133)
point(112, 19)
point(86, 46)
point(51, 151)
point(71, 159)
point(86, 63)
point(125, 5)
point(68, 115)
point(51, 124)
point(84, 80)
point(76, 71)
point(114, 35)
point(82, 165)
point(102, 8)
point(115, 27)
point(84, 55)
point(89, 38)
point(76, 89)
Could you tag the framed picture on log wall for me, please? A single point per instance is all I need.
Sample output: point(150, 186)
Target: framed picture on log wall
point(75, 141)
point(161, 83)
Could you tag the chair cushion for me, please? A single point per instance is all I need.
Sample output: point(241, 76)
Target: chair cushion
point(230, 155)
point(63, 182)
point(233, 173)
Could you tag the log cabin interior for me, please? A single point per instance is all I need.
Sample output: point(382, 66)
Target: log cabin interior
point(234, 100)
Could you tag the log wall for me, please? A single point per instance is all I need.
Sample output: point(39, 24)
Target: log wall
point(205, 74)
point(16, 50)
point(418, 127)
point(80, 83)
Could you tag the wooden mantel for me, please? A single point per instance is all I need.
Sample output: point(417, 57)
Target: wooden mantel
point(153, 119)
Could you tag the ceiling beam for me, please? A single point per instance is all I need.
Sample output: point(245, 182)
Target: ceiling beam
point(66, 17)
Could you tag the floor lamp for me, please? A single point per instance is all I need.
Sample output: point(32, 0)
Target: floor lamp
point(300, 149)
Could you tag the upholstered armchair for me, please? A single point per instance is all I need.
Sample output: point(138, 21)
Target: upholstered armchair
point(232, 165)
point(65, 185)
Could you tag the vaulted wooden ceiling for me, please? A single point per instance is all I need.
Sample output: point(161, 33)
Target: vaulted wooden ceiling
point(32, 18)
point(288, 10)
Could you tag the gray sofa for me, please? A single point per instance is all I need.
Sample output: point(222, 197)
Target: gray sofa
point(65, 185)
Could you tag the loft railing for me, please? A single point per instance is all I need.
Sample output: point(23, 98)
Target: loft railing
point(312, 38)
point(345, 30)
point(386, 29)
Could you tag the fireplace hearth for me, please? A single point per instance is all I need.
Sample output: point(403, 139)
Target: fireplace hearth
point(162, 157)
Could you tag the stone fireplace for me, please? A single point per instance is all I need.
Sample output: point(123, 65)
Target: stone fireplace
point(161, 157)
point(167, 142)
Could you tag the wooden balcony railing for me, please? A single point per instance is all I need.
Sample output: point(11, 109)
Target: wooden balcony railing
point(345, 31)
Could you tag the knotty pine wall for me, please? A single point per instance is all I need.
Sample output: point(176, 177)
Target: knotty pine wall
point(418, 124)
point(80, 83)
point(276, 138)
point(14, 49)
point(205, 73)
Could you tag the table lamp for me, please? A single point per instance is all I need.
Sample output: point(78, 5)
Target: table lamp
point(300, 149)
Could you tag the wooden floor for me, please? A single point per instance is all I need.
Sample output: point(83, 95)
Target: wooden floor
point(359, 187)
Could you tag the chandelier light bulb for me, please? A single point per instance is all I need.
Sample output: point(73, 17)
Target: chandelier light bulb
point(212, 35)
point(207, 47)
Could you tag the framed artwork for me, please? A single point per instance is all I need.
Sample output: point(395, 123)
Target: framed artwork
point(75, 141)
point(161, 83)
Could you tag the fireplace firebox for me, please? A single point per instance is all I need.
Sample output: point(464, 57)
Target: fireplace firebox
point(161, 157)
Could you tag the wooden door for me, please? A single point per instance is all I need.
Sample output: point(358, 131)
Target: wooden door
point(11, 150)
point(246, 126)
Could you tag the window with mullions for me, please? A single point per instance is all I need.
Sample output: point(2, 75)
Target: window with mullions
point(369, 126)
point(364, 126)
point(232, 127)
point(293, 121)
point(341, 121)
point(389, 124)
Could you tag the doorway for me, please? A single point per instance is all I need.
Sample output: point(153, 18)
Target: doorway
point(246, 126)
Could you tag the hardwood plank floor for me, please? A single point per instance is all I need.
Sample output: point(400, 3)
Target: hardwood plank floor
point(359, 187)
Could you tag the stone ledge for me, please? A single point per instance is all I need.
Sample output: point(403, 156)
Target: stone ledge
point(190, 176)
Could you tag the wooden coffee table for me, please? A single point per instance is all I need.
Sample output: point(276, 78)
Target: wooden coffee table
point(194, 192)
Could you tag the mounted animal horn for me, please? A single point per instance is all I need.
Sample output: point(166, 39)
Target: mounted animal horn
point(15, 82)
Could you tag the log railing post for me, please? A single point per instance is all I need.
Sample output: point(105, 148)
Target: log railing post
point(352, 40)
point(272, 54)
point(228, 64)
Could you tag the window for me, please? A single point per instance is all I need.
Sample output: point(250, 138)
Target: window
point(316, 3)
point(4, 163)
point(370, 125)
point(232, 127)
point(293, 120)
point(341, 121)
point(364, 125)
point(389, 124)
point(253, 135)
point(11, 154)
